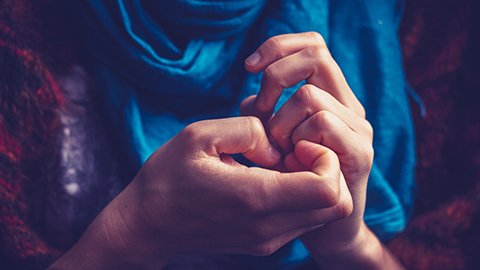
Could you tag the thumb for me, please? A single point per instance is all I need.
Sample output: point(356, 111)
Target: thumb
point(317, 158)
point(325, 163)
point(242, 135)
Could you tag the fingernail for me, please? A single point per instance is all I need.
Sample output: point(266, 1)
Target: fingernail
point(253, 59)
point(274, 152)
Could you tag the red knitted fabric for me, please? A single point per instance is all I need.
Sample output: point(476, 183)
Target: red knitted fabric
point(440, 42)
point(29, 98)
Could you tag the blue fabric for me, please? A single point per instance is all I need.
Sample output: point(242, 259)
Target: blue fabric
point(164, 64)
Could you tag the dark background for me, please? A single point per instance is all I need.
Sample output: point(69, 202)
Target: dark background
point(440, 41)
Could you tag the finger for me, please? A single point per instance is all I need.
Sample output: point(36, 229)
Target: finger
point(292, 164)
point(317, 67)
point(247, 108)
point(319, 159)
point(259, 189)
point(283, 227)
point(307, 101)
point(327, 129)
point(280, 46)
point(277, 224)
point(313, 218)
point(265, 191)
point(237, 135)
point(325, 189)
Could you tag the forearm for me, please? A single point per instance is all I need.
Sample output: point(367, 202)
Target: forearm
point(365, 252)
point(102, 246)
point(88, 256)
point(90, 252)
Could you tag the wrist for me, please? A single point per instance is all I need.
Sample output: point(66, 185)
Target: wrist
point(364, 251)
point(128, 234)
point(331, 245)
point(92, 251)
point(106, 244)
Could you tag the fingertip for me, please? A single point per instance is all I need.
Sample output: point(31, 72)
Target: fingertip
point(303, 145)
point(274, 154)
point(268, 159)
point(280, 135)
point(258, 109)
point(308, 152)
point(246, 106)
point(252, 62)
point(293, 164)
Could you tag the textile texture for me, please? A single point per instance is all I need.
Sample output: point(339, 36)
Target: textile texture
point(159, 74)
point(440, 62)
point(29, 98)
point(440, 43)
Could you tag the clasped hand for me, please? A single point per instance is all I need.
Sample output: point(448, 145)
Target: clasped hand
point(315, 153)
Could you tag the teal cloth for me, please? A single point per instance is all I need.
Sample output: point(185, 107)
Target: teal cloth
point(164, 64)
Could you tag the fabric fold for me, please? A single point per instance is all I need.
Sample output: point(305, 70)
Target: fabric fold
point(164, 65)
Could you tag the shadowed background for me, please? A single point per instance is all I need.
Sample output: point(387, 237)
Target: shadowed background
point(440, 42)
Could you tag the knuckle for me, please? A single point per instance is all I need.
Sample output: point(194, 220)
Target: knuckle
point(322, 120)
point(368, 130)
point(318, 53)
point(344, 208)
point(271, 73)
point(361, 111)
point(317, 37)
point(367, 156)
point(278, 132)
point(190, 130)
point(305, 95)
point(193, 133)
point(275, 46)
point(361, 160)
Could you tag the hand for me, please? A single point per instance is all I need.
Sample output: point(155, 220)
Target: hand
point(191, 197)
point(324, 111)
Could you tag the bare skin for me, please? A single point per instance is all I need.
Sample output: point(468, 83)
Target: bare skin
point(191, 197)
point(326, 113)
